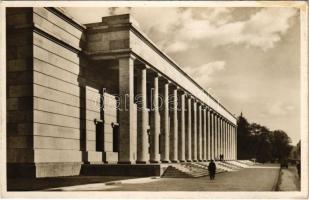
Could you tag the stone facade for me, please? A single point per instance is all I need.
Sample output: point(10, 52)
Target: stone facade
point(102, 93)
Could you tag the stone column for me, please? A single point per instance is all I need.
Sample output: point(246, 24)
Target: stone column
point(213, 131)
point(127, 114)
point(224, 139)
point(188, 131)
point(208, 134)
point(231, 139)
point(222, 136)
point(219, 136)
point(142, 117)
point(230, 142)
point(155, 122)
point(232, 127)
point(234, 137)
point(181, 127)
point(174, 127)
point(200, 133)
point(165, 124)
point(215, 135)
point(204, 134)
point(227, 139)
point(194, 134)
point(236, 142)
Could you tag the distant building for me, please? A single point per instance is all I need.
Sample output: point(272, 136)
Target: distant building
point(102, 94)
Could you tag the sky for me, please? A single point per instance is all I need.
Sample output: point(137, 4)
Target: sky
point(248, 58)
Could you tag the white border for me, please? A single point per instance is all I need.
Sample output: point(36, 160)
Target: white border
point(155, 195)
point(2, 101)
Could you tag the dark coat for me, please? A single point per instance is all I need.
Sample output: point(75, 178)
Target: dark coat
point(212, 167)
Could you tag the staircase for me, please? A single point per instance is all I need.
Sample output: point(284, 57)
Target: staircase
point(199, 169)
point(219, 169)
point(189, 170)
point(247, 162)
point(238, 164)
point(225, 166)
point(184, 171)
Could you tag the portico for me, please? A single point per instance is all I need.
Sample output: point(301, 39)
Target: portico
point(185, 122)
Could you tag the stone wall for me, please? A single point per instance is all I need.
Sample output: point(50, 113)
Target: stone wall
point(19, 87)
point(51, 106)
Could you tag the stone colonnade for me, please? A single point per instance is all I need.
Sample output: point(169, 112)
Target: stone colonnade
point(175, 127)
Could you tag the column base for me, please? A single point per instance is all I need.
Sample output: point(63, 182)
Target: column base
point(182, 161)
point(194, 160)
point(189, 160)
point(126, 162)
point(142, 162)
point(165, 161)
point(154, 161)
point(174, 161)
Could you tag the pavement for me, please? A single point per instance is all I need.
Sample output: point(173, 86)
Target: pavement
point(255, 178)
point(29, 184)
point(289, 180)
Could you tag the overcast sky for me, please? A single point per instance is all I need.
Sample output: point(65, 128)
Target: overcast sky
point(248, 58)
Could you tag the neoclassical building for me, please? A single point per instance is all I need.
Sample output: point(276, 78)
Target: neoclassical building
point(103, 95)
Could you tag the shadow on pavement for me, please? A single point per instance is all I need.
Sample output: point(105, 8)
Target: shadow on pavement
point(26, 184)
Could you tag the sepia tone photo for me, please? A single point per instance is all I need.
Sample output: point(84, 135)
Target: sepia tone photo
point(155, 98)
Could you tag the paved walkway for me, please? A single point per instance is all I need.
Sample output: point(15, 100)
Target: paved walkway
point(289, 180)
point(256, 178)
point(26, 184)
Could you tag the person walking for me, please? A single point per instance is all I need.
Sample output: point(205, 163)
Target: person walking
point(212, 169)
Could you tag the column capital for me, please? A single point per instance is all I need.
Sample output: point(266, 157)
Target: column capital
point(200, 103)
point(154, 74)
point(204, 108)
point(174, 86)
point(164, 80)
point(194, 99)
point(182, 92)
point(140, 65)
point(189, 96)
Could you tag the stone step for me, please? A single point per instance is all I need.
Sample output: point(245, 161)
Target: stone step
point(238, 164)
point(183, 170)
point(228, 166)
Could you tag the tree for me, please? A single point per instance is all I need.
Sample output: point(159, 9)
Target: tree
point(281, 144)
point(244, 150)
point(264, 148)
point(257, 141)
point(298, 150)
